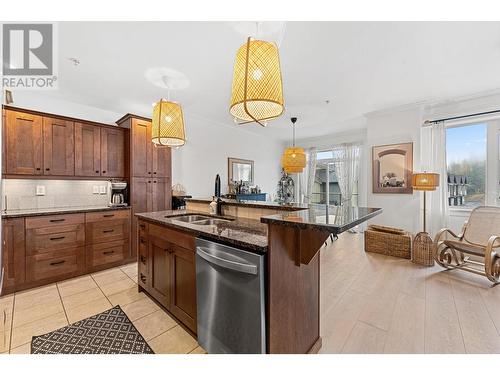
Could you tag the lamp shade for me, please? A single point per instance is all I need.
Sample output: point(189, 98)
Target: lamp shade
point(293, 160)
point(168, 124)
point(257, 91)
point(425, 181)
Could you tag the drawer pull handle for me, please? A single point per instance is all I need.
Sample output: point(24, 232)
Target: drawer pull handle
point(142, 226)
point(108, 231)
point(57, 263)
point(57, 220)
point(108, 252)
point(57, 238)
point(143, 278)
point(143, 259)
point(108, 215)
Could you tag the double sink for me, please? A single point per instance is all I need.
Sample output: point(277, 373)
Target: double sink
point(197, 219)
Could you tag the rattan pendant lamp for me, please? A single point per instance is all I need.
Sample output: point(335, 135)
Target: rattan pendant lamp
point(294, 158)
point(168, 122)
point(257, 90)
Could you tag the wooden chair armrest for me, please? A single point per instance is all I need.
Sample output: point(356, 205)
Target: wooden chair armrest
point(491, 242)
point(444, 231)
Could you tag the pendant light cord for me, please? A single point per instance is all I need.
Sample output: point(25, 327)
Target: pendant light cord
point(293, 134)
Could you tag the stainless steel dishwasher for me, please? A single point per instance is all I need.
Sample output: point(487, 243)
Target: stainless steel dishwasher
point(230, 298)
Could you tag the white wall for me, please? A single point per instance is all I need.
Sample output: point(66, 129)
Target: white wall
point(206, 151)
point(388, 127)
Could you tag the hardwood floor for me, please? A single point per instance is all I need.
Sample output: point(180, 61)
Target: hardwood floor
point(371, 303)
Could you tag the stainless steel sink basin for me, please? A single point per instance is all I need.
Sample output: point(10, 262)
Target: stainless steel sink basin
point(191, 218)
point(211, 222)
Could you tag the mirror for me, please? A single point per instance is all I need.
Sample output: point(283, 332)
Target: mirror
point(240, 170)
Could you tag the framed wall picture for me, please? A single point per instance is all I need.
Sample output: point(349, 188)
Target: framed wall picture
point(392, 167)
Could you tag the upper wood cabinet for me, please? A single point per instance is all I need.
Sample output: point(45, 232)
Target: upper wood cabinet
point(87, 150)
point(23, 143)
point(112, 152)
point(58, 147)
point(148, 160)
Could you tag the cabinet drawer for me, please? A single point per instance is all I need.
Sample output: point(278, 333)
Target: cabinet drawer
point(109, 252)
point(53, 220)
point(56, 264)
point(176, 237)
point(106, 215)
point(106, 231)
point(40, 240)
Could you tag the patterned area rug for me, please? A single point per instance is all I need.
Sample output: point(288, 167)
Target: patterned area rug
point(110, 332)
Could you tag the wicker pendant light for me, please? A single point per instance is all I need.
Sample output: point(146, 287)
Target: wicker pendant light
point(168, 124)
point(294, 158)
point(257, 91)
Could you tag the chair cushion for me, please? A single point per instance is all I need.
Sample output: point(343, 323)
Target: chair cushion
point(465, 247)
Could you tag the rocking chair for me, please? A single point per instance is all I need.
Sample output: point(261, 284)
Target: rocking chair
point(480, 238)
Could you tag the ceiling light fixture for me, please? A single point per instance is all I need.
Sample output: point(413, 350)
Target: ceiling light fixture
point(293, 159)
point(168, 122)
point(257, 90)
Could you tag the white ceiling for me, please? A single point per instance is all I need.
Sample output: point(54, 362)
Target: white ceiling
point(360, 67)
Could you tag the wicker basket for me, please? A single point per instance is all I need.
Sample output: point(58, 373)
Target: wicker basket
point(423, 249)
point(388, 241)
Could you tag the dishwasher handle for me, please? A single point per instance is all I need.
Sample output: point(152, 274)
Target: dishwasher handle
point(226, 263)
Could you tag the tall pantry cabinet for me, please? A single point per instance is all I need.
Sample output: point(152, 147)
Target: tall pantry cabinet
point(150, 171)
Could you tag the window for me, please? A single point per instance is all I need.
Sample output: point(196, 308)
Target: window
point(466, 165)
point(326, 183)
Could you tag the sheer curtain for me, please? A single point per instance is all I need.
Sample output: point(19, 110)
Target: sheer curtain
point(346, 162)
point(433, 159)
point(306, 178)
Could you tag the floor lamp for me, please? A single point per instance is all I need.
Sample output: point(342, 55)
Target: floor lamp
point(422, 252)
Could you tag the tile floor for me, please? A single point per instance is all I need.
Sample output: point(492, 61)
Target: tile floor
point(41, 310)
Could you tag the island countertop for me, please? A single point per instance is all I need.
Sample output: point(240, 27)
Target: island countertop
point(333, 219)
point(245, 233)
point(59, 210)
point(253, 204)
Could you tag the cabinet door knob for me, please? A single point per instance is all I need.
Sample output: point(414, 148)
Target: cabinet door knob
point(103, 171)
point(96, 171)
point(154, 172)
point(47, 169)
point(154, 182)
point(38, 169)
point(149, 172)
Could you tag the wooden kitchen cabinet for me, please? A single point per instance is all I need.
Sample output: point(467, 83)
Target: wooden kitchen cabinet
point(23, 143)
point(183, 274)
point(87, 150)
point(161, 160)
point(166, 269)
point(112, 152)
point(161, 268)
point(14, 253)
point(161, 194)
point(142, 163)
point(58, 147)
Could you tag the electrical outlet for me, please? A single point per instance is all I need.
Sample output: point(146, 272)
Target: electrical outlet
point(102, 189)
point(40, 190)
point(95, 189)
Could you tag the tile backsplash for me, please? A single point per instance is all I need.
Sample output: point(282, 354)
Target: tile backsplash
point(20, 194)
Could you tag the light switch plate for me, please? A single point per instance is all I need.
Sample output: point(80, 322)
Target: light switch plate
point(95, 189)
point(102, 189)
point(40, 190)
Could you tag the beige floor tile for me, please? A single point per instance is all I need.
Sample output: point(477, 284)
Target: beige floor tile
point(82, 298)
point(365, 339)
point(138, 309)
point(23, 349)
point(198, 350)
point(7, 303)
point(134, 278)
point(36, 312)
point(130, 269)
point(87, 310)
point(174, 341)
point(76, 285)
point(154, 324)
point(117, 286)
point(109, 276)
point(31, 297)
point(126, 296)
point(23, 334)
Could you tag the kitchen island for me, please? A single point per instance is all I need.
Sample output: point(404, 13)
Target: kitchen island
point(290, 240)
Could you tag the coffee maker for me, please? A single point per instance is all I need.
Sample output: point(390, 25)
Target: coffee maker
point(118, 194)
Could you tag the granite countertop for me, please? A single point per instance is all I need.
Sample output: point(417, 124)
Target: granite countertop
point(333, 219)
point(59, 210)
point(254, 204)
point(243, 233)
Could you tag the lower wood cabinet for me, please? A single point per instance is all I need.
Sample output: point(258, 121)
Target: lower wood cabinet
point(14, 253)
point(166, 269)
point(44, 249)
